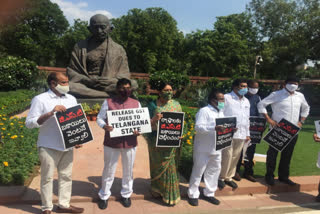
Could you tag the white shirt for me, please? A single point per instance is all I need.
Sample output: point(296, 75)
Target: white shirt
point(205, 139)
point(49, 134)
point(102, 116)
point(239, 108)
point(284, 105)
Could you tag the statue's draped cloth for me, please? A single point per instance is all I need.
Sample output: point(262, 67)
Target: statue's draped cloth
point(115, 67)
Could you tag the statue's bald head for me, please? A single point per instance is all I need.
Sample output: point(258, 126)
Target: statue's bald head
point(99, 27)
point(99, 19)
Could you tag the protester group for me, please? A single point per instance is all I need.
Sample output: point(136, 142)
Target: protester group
point(217, 167)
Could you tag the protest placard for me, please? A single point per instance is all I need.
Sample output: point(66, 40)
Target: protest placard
point(224, 138)
point(257, 127)
point(170, 129)
point(280, 136)
point(126, 121)
point(317, 124)
point(73, 126)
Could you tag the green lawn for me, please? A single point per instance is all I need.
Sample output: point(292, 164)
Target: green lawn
point(305, 153)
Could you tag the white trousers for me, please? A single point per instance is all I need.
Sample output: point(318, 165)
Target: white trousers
point(111, 156)
point(49, 160)
point(209, 165)
point(230, 158)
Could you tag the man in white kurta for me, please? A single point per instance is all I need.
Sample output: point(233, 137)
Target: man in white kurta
point(52, 153)
point(206, 160)
point(292, 106)
point(236, 105)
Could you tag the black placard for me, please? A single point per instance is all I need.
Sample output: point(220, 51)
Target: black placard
point(73, 126)
point(257, 127)
point(280, 136)
point(224, 138)
point(170, 129)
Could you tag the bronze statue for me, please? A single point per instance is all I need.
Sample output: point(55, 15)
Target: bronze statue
point(97, 62)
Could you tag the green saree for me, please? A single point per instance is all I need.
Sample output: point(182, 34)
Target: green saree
point(164, 161)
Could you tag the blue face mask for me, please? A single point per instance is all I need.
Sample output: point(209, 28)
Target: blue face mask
point(220, 105)
point(243, 91)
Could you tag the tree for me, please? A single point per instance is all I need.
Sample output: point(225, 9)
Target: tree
point(290, 33)
point(150, 38)
point(40, 23)
point(73, 34)
point(228, 50)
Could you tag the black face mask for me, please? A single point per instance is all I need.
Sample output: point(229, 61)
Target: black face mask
point(125, 93)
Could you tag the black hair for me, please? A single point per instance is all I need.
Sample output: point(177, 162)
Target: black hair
point(251, 82)
point(292, 79)
point(53, 77)
point(213, 94)
point(162, 85)
point(122, 82)
point(237, 82)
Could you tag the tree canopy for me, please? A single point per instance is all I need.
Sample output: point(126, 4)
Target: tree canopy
point(39, 25)
point(150, 38)
point(286, 33)
point(289, 32)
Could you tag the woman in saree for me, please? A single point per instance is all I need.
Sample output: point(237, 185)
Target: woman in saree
point(163, 160)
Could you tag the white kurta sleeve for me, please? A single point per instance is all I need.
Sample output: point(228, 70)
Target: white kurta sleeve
point(248, 120)
point(36, 110)
point(262, 105)
point(102, 116)
point(202, 122)
point(305, 108)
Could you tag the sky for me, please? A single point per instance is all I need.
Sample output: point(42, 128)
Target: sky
point(191, 15)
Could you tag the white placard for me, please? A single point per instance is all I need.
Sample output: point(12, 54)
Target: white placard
point(317, 124)
point(126, 121)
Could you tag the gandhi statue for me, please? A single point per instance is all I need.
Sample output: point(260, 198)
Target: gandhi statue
point(97, 62)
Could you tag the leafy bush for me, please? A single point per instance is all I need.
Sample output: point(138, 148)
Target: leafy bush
point(177, 80)
point(225, 86)
point(145, 99)
point(18, 149)
point(17, 73)
point(186, 160)
point(13, 102)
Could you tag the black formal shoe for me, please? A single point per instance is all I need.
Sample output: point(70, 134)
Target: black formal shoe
point(212, 200)
point(237, 177)
point(250, 178)
point(287, 181)
point(103, 204)
point(269, 180)
point(221, 184)
point(193, 201)
point(126, 202)
point(318, 198)
point(231, 184)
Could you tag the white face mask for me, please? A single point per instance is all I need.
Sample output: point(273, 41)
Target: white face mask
point(253, 90)
point(291, 87)
point(62, 89)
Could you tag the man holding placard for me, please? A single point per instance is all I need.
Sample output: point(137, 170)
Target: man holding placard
point(248, 153)
point(114, 146)
point(206, 159)
point(292, 106)
point(52, 152)
point(236, 105)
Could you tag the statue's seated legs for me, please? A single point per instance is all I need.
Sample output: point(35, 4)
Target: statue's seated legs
point(80, 90)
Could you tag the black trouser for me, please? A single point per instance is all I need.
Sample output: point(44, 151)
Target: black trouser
point(284, 165)
point(248, 162)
